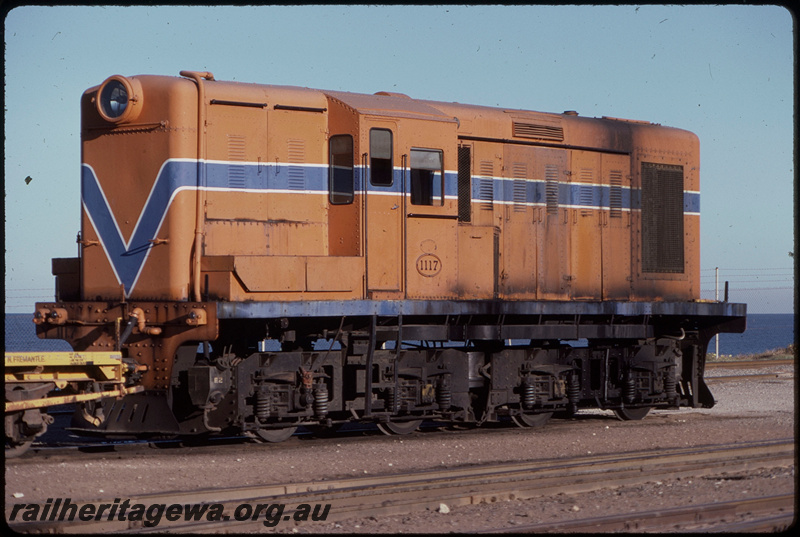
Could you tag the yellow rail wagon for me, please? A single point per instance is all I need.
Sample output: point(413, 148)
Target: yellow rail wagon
point(35, 381)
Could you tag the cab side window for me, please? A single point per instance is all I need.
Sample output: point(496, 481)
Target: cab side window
point(380, 157)
point(427, 177)
point(341, 182)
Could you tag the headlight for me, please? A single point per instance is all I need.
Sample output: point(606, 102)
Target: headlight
point(118, 100)
point(114, 99)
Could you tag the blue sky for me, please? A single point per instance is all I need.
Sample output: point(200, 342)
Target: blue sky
point(723, 72)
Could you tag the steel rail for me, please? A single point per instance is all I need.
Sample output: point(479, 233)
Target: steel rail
point(762, 514)
point(738, 378)
point(749, 364)
point(402, 493)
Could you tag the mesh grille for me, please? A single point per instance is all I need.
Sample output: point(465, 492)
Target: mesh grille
point(464, 184)
point(662, 218)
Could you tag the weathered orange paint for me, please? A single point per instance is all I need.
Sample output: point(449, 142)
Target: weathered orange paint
point(281, 242)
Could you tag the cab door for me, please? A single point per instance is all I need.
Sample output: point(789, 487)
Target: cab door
point(430, 205)
point(383, 208)
point(431, 226)
point(411, 207)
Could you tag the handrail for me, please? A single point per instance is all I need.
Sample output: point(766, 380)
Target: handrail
point(198, 226)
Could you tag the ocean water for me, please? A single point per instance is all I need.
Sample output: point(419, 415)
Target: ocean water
point(20, 333)
point(764, 332)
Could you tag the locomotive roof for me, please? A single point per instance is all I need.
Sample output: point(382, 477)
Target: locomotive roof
point(477, 120)
point(496, 122)
point(382, 103)
point(385, 103)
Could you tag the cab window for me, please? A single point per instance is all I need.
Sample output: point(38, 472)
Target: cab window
point(380, 157)
point(340, 171)
point(427, 177)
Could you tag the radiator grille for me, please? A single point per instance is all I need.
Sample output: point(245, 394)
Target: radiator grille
point(662, 218)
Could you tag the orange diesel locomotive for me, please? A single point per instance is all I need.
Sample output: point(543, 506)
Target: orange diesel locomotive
point(449, 255)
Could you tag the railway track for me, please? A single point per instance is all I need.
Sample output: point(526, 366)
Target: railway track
point(739, 378)
point(748, 364)
point(760, 365)
point(764, 514)
point(411, 492)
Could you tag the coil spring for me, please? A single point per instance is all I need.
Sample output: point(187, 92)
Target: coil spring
point(629, 392)
point(263, 406)
point(320, 400)
point(528, 394)
point(443, 395)
point(391, 400)
point(574, 391)
point(670, 383)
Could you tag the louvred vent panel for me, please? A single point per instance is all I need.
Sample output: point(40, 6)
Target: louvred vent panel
point(538, 131)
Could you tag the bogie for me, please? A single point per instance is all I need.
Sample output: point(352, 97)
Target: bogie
point(268, 395)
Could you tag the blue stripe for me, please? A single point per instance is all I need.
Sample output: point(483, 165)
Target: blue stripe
point(691, 202)
point(270, 177)
point(535, 192)
point(266, 176)
point(128, 257)
point(591, 196)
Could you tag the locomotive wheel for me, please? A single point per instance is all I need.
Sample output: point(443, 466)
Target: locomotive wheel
point(21, 428)
point(632, 414)
point(532, 420)
point(399, 427)
point(274, 435)
point(15, 450)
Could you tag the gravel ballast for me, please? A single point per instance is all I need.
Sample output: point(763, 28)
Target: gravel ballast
point(748, 410)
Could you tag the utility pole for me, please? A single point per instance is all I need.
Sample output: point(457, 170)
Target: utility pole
point(716, 297)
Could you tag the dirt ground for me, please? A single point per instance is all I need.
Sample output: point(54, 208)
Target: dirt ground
point(746, 410)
